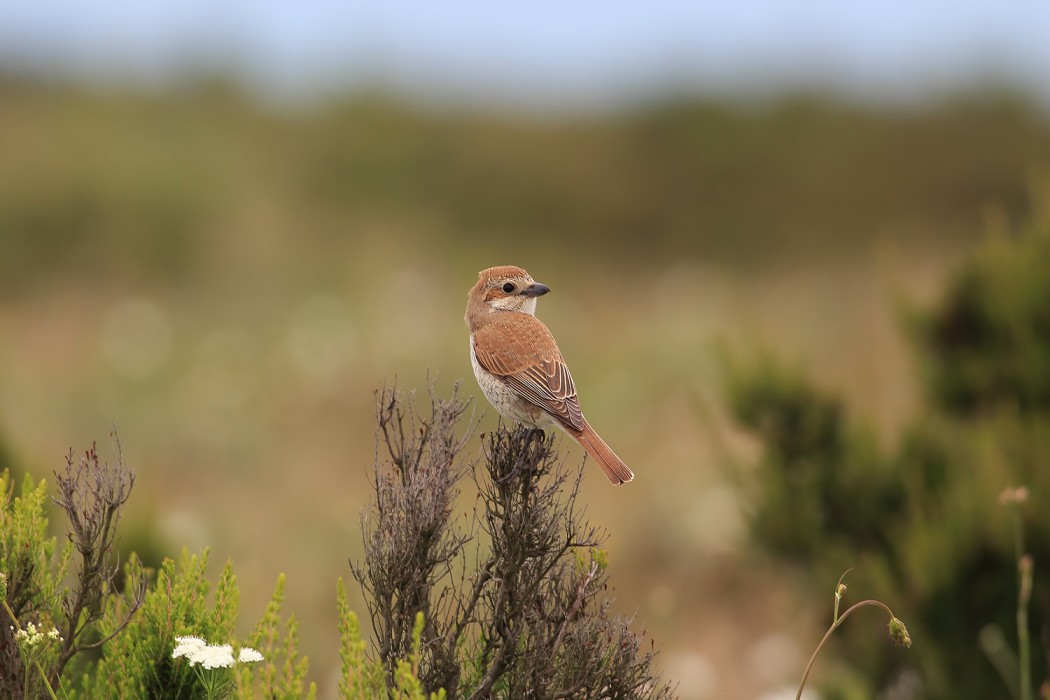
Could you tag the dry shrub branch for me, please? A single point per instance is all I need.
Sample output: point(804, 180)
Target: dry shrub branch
point(513, 592)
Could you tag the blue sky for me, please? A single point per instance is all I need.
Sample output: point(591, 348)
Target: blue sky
point(572, 53)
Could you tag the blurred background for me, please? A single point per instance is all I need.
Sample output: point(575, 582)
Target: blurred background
point(799, 264)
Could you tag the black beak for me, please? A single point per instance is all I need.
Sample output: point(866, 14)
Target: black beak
point(535, 290)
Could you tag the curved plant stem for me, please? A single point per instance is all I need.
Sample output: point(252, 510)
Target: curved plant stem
point(839, 619)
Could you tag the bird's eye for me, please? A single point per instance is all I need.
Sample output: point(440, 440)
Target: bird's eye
point(508, 287)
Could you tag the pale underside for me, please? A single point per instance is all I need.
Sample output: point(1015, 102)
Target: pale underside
point(506, 400)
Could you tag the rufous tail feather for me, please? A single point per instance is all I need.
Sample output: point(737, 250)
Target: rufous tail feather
point(613, 466)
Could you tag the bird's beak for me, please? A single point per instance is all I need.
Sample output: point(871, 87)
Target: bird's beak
point(535, 290)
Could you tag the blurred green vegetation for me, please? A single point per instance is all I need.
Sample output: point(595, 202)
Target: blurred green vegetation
point(138, 186)
point(923, 525)
point(988, 347)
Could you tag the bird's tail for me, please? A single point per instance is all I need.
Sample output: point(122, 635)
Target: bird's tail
point(613, 466)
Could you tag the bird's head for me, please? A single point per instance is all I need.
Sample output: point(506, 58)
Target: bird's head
point(504, 288)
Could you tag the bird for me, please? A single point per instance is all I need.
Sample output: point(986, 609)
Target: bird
point(519, 367)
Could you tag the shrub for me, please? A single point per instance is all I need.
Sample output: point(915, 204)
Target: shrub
point(92, 494)
point(108, 644)
point(923, 522)
point(987, 345)
point(514, 597)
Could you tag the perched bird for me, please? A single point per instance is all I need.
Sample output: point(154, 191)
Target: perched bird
point(519, 366)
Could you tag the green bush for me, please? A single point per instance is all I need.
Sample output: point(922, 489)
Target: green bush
point(923, 523)
point(71, 633)
point(823, 483)
point(988, 344)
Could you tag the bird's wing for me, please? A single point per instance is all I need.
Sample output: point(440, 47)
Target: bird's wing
point(519, 349)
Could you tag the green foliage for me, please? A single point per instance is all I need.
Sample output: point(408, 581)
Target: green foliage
point(138, 663)
point(136, 656)
point(407, 685)
point(282, 673)
point(987, 345)
point(922, 523)
point(359, 677)
point(55, 609)
point(822, 485)
point(364, 679)
point(33, 569)
point(773, 400)
point(28, 555)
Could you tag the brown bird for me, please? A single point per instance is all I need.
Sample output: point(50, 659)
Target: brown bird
point(519, 366)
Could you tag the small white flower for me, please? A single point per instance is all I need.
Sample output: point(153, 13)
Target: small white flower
point(191, 639)
point(249, 656)
point(220, 656)
point(209, 656)
point(53, 634)
point(31, 637)
point(188, 647)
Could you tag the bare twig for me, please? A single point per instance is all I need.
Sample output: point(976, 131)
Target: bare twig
point(576, 605)
point(92, 494)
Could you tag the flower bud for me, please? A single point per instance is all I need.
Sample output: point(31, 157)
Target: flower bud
point(899, 633)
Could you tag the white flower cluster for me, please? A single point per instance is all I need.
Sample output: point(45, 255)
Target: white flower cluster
point(198, 651)
point(249, 656)
point(32, 636)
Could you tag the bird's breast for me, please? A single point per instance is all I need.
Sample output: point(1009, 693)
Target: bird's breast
point(504, 398)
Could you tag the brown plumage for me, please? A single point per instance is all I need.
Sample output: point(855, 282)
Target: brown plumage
point(519, 367)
